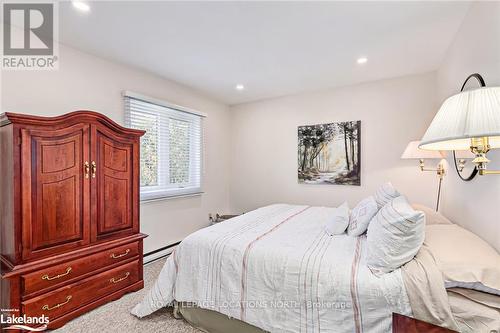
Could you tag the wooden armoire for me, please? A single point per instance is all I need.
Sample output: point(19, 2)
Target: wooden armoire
point(69, 214)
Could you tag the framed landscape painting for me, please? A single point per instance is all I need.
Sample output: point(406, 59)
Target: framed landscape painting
point(330, 153)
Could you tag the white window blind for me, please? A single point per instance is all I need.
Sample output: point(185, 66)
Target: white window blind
point(171, 149)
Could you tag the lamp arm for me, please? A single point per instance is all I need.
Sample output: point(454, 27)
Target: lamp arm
point(489, 172)
point(427, 169)
point(440, 168)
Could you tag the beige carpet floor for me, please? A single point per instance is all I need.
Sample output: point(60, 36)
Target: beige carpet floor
point(116, 317)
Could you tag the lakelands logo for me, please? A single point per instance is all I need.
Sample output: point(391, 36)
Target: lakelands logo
point(33, 324)
point(29, 31)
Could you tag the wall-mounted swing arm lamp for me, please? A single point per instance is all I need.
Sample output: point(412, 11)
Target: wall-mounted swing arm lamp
point(413, 152)
point(439, 169)
point(469, 120)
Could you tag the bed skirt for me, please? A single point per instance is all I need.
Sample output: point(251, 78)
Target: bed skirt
point(211, 321)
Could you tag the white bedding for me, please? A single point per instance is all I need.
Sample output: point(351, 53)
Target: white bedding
point(277, 269)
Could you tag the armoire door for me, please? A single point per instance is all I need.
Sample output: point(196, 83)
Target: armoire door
point(114, 175)
point(55, 190)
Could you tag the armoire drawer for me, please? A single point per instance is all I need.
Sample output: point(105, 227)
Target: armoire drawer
point(58, 275)
point(68, 298)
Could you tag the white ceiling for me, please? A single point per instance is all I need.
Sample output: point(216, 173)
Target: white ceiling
point(273, 48)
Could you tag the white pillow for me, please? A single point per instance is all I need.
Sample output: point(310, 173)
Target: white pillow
point(465, 260)
point(395, 235)
point(338, 221)
point(385, 194)
point(361, 215)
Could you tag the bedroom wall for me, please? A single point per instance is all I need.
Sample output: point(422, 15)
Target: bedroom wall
point(392, 113)
point(476, 48)
point(84, 81)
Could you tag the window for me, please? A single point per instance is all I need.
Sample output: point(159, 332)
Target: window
point(171, 149)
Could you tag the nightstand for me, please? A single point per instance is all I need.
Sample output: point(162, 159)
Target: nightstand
point(404, 324)
point(219, 218)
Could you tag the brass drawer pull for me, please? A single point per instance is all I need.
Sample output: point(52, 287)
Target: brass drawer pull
point(113, 280)
point(46, 307)
point(116, 256)
point(48, 278)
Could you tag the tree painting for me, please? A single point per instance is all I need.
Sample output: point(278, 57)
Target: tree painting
point(330, 153)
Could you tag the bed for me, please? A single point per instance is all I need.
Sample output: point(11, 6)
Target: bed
point(275, 269)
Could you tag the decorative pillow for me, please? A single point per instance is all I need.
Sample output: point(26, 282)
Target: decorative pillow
point(395, 235)
point(431, 216)
point(465, 260)
point(361, 216)
point(385, 194)
point(338, 221)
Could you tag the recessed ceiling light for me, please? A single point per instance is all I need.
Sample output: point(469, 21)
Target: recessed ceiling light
point(81, 6)
point(362, 60)
point(239, 87)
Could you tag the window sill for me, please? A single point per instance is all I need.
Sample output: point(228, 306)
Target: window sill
point(180, 196)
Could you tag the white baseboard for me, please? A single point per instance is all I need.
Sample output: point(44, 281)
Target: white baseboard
point(149, 258)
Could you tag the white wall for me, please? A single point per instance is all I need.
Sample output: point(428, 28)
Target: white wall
point(87, 82)
point(476, 48)
point(392, 113)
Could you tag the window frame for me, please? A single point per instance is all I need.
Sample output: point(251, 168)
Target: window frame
point(173, 191)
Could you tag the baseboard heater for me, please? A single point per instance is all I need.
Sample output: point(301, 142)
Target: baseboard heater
point(159, 253)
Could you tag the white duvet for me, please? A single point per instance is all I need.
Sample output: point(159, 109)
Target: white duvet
point(277, 269)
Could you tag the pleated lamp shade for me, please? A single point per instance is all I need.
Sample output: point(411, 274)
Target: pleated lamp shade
point(413, 152)
point(469, 114)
